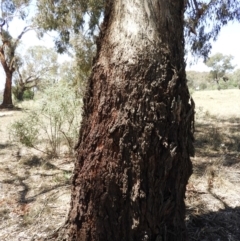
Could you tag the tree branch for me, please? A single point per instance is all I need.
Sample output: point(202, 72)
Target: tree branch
point(194, 2)
point(34, 79)
point(26, 29)
point(20, 76)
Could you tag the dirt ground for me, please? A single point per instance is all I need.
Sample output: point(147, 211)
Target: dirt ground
point(35, 191)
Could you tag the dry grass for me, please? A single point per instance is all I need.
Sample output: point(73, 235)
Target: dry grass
point(213, 197)
point(35, 191)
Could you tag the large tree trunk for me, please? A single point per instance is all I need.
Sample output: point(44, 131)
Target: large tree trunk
point(136, 137)
point(7, 94)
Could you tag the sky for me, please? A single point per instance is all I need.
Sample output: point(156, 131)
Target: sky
point(227, 43)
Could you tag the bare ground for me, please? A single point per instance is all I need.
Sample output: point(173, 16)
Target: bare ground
point(35, 191)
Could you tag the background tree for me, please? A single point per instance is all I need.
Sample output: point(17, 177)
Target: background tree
point(77, 69)
point(8, 45)
point(236, 76)
point(69, 18)
point(77, 25)
point(38, 65)
point(220, 64)
point(198, 80)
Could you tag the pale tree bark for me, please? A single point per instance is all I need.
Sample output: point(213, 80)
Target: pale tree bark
point(136, 137)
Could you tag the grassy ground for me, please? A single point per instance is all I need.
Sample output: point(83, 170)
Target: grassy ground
point(35, 191)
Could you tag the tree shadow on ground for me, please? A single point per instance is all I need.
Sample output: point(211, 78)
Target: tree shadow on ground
point(35, 161)
point(223, 225)
point(11, 108)
point(19, 183)
point(22, 188)
point(6, 145)
point(217, 151)
point(219, 139)
point(202, 164)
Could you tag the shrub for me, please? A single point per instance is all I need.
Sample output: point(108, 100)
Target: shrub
point(54, 121)
point(203, 86)
point(21, 95)
point(28, 95)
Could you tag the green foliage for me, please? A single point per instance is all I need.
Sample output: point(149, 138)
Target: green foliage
point(198, 80)
point(204, 81)
point(77, 71)
point(27, 94)
point(54, 121)
point(236, 78)
point(68, 17)
point(204, 20)
point(25, 130)
point(203, 86)
point(39, 64)
point(220, 65)
point(9, 8)
point(35, 68)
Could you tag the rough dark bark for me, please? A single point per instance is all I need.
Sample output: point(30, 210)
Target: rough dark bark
point(7, 94)
point(136, 136)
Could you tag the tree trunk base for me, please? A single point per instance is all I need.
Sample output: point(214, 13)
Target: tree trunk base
point(3, 106)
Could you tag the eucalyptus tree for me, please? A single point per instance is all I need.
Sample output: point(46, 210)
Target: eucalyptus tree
point(10, 9)
point(77, 25)
point(136, 138)
point(236, 77)
point(220, 64)
point(35, 69)
point(68, 18)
